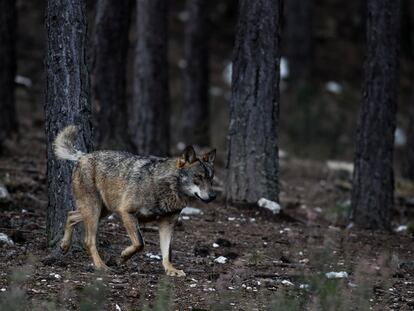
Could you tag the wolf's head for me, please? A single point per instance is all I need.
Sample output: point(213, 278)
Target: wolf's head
point(196, 174)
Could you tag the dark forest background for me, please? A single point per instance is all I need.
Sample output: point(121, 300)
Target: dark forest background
point(319, 111)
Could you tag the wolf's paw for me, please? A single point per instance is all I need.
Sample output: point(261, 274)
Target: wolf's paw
point(175, 272)
point(64, 247)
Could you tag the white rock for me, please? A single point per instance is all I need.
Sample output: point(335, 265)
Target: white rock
point(221, 260)
point(282, 154)
point(401, 228)
point(6, 240)
point(284, 68)
point(231, 218)
point(337, 275)
point(118, 308)
point(287, 283)
point(340, 166)
point(3, 289)
point(4, 193)
point(191, 211)
point(334, 87)
point(183, 16)
point(185, 217)
point(270, 205)
point(193, 285)
point(400, 139)
point(182, 64)
point(180, 145)
point(304, 286)
point(215, 245)
point(153, 256)
point(227, 73)
point(25, 81)
point(216, 91)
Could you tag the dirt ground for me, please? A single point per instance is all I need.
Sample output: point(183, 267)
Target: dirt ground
point(269, 258)
point(273, 262)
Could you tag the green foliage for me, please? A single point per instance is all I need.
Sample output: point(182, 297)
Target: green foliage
point(164, 300)
point(93, 297)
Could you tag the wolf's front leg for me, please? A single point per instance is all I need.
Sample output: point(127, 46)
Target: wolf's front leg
point(166, 228)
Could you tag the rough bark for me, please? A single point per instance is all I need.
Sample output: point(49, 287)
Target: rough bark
point(150, 110)
point(409, 174)
point(373, 184)
point(67, 102)
point(195, 114)
point(298, 33)
point(109, 74)
point(253, 170)
point(8, 119)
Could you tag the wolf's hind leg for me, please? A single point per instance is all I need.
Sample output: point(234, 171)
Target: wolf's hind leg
point(91, 221)
point(131, 225)
point(73, 218)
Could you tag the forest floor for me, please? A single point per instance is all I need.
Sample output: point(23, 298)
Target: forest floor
point(278, 261)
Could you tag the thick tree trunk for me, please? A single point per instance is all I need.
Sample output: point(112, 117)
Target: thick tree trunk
point(67, 102)
point(299, 39)
point(150, 112)
point(109, 74)
point(253, 170)
point(409, 172)
point(373, 186)
point(195, 121)
point(8, 119)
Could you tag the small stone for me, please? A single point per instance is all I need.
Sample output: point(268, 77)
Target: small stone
point(191, 211)
point(220, 260)
point(4, 239)
point(337, 275)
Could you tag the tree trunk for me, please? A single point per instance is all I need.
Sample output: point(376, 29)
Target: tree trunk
point(8, 120)
point(150, 113)
point(195, 121)
point(109, 74)
point(409, 172)
point(373, 185)
point(299, 39)
point(67, 102)
point(253, 169)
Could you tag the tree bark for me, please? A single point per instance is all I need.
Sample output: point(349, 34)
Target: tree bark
point(253, 169)
point(8, 119)
point(299, 39)
point(409, 172)
point(67, 102)
point(150, 112)
point(373, 184)
point(195, 121)
point(109, 74)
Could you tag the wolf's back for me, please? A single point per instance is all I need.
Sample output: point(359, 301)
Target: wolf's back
point(64, 144)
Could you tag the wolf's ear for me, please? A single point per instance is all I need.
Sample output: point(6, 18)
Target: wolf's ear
point(188, 156)
point(210, 156)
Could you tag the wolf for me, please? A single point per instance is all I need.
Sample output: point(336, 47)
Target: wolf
point(138, 189)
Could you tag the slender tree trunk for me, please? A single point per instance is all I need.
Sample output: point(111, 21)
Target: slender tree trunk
point(67, 102)
point(253, 170)
point(195, 113)
point(299, 39)
point(373, 186)
point(8, 119)
point(410, 142)
point(109, 73)
point(150, 113)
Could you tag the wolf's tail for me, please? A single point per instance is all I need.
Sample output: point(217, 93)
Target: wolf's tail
point(64, 144)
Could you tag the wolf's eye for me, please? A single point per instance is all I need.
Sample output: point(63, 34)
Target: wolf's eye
point(197, 182)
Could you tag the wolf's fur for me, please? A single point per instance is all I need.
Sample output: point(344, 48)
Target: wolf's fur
point(137, 188)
